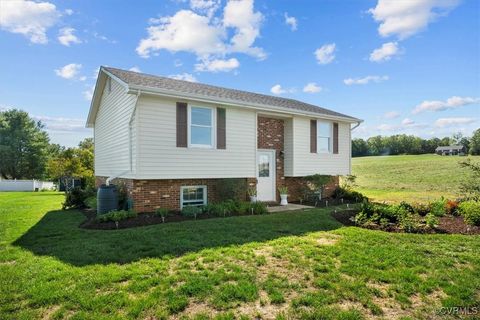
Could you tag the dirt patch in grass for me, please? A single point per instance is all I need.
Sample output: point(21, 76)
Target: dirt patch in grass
point(345, 217)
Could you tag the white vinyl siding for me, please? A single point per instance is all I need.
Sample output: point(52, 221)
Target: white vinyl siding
point(159, 158)
point(306, 163)
point(111, 133)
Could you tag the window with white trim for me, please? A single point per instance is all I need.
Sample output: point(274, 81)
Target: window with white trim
point(201, 127)
point(193, 196)
point(324, 137)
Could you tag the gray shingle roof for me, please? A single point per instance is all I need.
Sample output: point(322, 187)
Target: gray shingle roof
point(214, 92)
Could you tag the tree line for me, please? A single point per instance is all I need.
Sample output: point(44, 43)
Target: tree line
point(26, 152)
point(409, 144)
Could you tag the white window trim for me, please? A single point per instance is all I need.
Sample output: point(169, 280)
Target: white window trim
point(213, 126)
point(205, 198)
point(330, 141)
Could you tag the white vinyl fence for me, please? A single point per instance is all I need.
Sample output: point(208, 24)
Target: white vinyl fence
point(25, 185)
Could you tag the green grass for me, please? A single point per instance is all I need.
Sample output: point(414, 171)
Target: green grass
point(411, 177)
point(287, 265)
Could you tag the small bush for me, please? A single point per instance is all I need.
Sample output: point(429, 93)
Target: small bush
point(439, 207)
point(421, 209)
point(91, 202)
point(162, 212)
point(408, 207)
point(470, 210)
point(76, 197)
point(451, 207)
point(116, 216)
point(258, 208)
point(347, 194)
point(431, 220)
point(191, 211)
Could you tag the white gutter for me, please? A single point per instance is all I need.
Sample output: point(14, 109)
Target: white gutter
point(256, 106)
point(356, 126)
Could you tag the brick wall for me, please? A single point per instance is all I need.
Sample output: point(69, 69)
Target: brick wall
point(270, 135)
point(149, 195)
point(297, 185)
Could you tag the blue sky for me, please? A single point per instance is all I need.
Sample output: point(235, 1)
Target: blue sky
point(404, 66)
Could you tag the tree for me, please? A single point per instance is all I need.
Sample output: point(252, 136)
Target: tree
point(475, 143)
point(359, 148)
point(73, 163)
point(376, 145)
point(23, 146)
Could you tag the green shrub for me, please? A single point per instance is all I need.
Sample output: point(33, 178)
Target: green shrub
point(439, 207)
point(348, 194)
point(431, 220)
point(91, 202)
point(258, 208)
point(243, 207)
point(116, 216)
point(76, 197)
point(408, 207)
point(421, 209)
point(162, 212)
point(191, 211)
point(470, 210)
point(410, 222)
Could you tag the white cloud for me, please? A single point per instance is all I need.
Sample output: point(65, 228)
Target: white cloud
point(183, 76)
point(404, 18)
point(96, 35)
point(29, 18)
point(209, 37)
point(135, 69)
point(391, 115)
point(177, 63)
point(291, 21)
point(451, 103)
point(205, 6)
point(408, 122)
point(278, 90)
point(365, 80)
point(217, 65)
point(452, 122)
point(385, 52)
point(68, 12)
point(60, 124)
point(325, 54)
point(66, 37)
point(240, 15)
point(312, 87)
point(88, 94)
point(69, 71)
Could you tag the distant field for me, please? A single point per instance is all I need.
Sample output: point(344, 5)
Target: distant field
point(412, 178)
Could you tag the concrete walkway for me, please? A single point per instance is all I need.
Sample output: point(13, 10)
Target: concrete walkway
point(288, 207)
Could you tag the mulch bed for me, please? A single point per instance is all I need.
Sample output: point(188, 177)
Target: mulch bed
point(447, 224)
point(455, 224)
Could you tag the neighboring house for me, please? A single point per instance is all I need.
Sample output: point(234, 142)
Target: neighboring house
point(170, 141)
point(450, 150)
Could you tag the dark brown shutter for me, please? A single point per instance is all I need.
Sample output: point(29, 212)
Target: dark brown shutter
point(221, 129)
point(182, 124)
point(313, 136)
point(335, 138)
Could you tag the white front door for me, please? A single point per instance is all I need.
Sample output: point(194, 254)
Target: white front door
point(266, 175)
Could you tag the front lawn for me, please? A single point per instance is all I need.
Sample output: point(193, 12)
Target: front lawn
point(285, 265)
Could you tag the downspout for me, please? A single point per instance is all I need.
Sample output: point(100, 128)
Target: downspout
point(130, 149)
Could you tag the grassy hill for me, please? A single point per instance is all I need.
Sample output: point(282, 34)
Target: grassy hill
point(409, 177)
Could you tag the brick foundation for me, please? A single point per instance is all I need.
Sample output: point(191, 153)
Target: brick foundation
point(149, 195)
point(297, 185)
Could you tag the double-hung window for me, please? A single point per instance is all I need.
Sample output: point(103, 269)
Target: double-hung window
point(201, 131)
point(324, 137)
point(193, 196)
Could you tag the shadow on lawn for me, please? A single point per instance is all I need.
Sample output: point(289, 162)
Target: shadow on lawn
point(57, 234)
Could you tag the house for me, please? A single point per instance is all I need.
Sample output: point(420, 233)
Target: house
point(170, 142)
point(450, 150)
